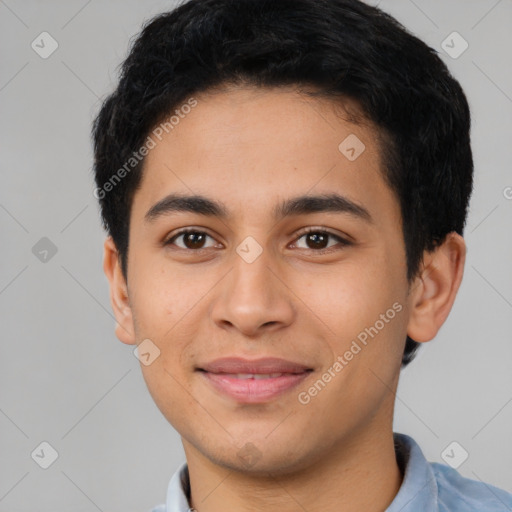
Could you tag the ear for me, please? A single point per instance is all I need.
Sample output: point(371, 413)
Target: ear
point(433, 292)
point(118, 293)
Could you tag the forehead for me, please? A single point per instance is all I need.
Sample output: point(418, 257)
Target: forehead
point(249, 146)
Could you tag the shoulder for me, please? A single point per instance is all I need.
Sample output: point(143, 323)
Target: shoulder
point(456, 492)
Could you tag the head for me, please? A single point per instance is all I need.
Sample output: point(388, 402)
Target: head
point(246, 107)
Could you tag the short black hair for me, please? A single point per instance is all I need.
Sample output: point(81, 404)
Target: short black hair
point(339, 48)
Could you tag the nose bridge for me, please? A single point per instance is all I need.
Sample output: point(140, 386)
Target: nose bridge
point(252, 269)
point(253, 296)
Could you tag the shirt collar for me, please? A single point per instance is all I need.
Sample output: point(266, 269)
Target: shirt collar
point(178, 491)
point(419, 488)
point(417, 492)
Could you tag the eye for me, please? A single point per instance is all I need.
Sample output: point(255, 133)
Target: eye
point(318, 239)
point(192, 239)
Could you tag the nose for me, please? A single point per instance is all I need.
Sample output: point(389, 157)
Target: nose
point(254, 297)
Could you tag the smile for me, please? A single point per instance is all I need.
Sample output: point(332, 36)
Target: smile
point(254, 388)
point(253, 381)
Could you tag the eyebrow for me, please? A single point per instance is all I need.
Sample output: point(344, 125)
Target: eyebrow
point(300, 205)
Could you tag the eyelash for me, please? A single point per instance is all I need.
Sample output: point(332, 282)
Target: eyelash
point(342, 241)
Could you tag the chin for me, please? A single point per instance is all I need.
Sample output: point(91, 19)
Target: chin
point(259, 457)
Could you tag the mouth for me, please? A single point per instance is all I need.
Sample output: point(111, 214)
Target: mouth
point(253, 381)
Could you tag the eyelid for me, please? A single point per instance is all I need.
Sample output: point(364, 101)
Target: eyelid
point(343, 240)
point(191, 229)
point(321, 229)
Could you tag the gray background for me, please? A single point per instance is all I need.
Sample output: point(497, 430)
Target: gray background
point(65, 378)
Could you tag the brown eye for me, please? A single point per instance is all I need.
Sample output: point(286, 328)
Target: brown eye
point(193, 240)
point(318, 240)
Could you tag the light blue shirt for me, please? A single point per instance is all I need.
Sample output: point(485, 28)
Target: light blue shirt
point(426, 487)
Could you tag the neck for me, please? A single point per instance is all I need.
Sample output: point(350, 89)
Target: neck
point(359, 473)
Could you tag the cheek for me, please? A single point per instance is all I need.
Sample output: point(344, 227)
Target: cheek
point(162, 295)
point(361, 302)
point(365, 314)
point(168, 390)
point(167, 306)
point(350, 296)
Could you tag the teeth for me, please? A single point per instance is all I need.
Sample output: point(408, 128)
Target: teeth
point(256, 376)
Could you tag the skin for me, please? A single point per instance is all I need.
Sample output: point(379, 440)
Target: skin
point(252, 149)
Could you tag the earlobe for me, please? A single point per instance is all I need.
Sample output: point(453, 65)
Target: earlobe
point(434, 290)
point(119, 299)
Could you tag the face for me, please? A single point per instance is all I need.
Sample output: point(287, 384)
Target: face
point(316, 285)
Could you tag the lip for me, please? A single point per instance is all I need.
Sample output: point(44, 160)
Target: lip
point(230, 376)
point(262, 365)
